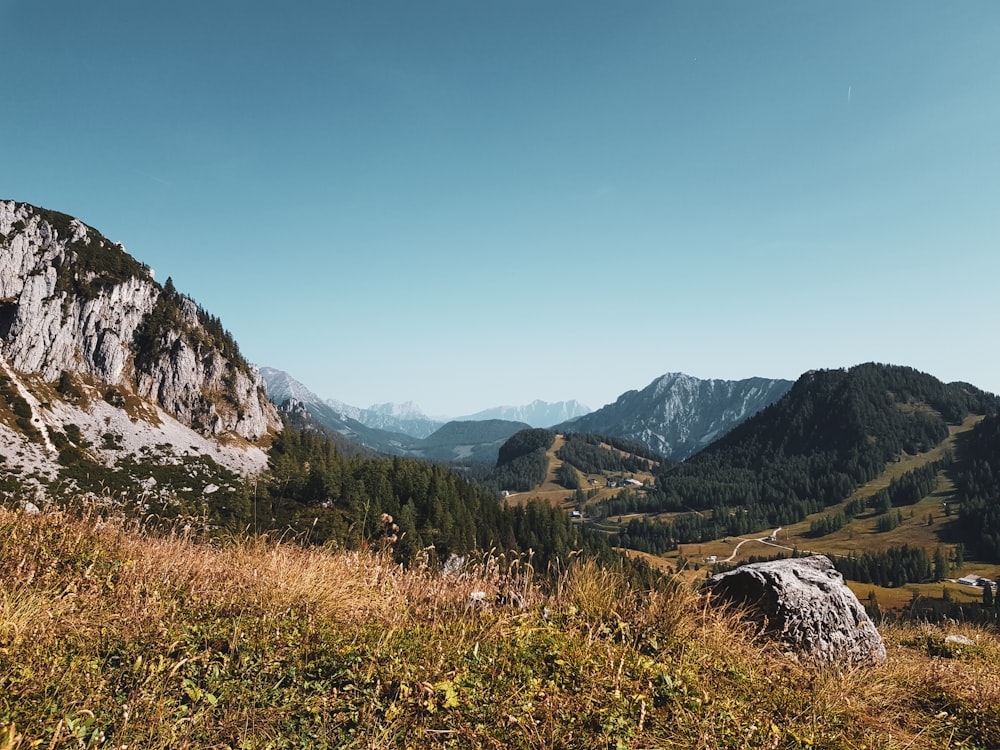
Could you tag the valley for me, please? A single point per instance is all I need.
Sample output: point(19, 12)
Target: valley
point(499, 376)
point(929, 523)
point(859, 533)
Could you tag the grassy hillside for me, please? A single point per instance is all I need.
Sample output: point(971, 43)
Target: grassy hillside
point(932, 523)
point(860, 533)
point(598, 469)
point(833, 432)
point(110, 636)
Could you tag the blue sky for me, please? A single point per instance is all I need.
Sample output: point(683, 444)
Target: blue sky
point(468, 204)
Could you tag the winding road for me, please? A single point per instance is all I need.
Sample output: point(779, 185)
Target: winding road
point(763, 540)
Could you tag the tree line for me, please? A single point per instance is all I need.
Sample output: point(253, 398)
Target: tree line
point(657, 536)
point(343, 501)
point(589, 454)
point(907, 489)
point(834, 431)
point(977, 483)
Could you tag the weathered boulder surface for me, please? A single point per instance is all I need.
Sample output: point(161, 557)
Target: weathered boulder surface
point(806, 604)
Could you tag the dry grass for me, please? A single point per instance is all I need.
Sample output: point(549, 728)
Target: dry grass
point(114, 637)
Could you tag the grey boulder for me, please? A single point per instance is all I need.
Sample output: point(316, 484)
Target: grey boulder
point(805, 603)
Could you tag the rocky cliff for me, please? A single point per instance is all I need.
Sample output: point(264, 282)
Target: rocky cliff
point(113, 387)
point(72, 301)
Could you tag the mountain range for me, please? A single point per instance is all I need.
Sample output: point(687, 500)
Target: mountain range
point(404, 430)
point(115, 385)
point(126, 352)
point(408, 418)
point(675, 416)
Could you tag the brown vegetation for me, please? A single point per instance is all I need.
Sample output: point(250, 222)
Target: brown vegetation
point(111, 636)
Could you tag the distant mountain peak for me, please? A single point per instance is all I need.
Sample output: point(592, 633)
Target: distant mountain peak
point(380, 427)
point(282, 386)
point(405, 410)
point(678, 414)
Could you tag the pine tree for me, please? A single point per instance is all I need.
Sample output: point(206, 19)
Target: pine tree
point(940, 565)
point(872, 608)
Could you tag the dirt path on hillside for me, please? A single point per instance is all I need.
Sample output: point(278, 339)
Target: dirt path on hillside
point(763, 540)
point(33, 405)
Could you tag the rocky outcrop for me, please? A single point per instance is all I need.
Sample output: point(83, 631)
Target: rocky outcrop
point(47, 329)
point(73, 301)
point(806, 604)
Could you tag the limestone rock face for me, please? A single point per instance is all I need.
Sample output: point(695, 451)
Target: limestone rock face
point(806, 604)
point(72, 301)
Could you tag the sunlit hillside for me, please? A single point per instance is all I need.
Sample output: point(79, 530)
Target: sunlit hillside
point(111, 636)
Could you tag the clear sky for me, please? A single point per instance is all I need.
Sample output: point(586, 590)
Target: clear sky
point(468, 204)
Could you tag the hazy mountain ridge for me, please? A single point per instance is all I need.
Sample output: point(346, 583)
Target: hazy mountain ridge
point(406, 418)
point(677, 415)
point(469, 440)
point(536, 414)
point(456, 440)
point(347, 442)
point(403, 429)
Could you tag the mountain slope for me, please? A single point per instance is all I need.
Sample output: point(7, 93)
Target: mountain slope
point(834, 430)
point(676, 415)
point(977, 480)
point(405, 419)
point(74, 301)
point(105, 372)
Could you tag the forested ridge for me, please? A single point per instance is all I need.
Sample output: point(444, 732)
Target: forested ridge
point(522, 463)
point(596, 454)
point(977, 481)
point(834, 431)
point(341, 501)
